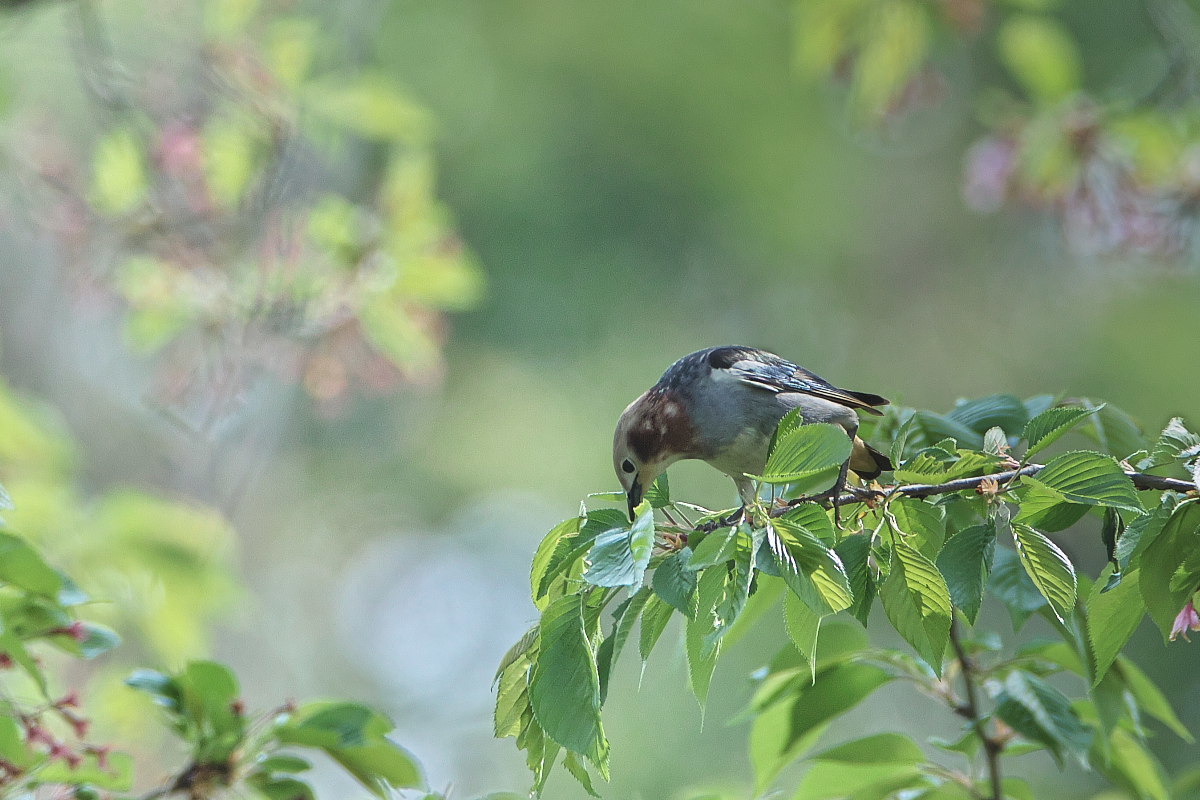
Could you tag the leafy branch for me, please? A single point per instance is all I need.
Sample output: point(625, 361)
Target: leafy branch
point(964, 523)
point(1140, 480)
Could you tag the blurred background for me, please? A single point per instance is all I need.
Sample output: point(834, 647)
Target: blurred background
point(314, 318)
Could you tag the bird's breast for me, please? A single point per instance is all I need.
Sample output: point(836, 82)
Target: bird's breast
point(746, 453)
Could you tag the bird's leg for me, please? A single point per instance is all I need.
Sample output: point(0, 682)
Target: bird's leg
point(734, 517)
point(837, 490)
point(729, 520)
point(833, 494)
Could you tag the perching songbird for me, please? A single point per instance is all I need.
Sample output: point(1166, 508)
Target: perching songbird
point(722, 405)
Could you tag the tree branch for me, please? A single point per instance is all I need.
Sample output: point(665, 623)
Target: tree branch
point(1140, 480)
point(970, 710)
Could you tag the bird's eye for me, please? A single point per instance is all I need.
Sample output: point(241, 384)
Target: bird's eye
point(627, 465)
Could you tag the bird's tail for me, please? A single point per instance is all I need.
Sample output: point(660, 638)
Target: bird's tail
point(866, 461)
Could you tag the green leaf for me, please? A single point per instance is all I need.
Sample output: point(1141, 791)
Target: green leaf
point(899, 446)
point(965, 562)
point(579, 772)
point(274, 788)
point(1045, 508)
point(1059, 653)
point(1041, 55)
point(21, 566)
point(565, 563)
point(702, 649)
point(737, 581)
point(917, 602)
point(610, 649)
point(368, 105)
point(995, 442)
point(564, 687)
point(1180, 537)
point(162, 689)
point(837, 689)
point(655, 617)
point(715, 548)
point(356, 738)
point(882, 748)
point(97, 640)
point(620, 555)
point(835, 781)
point(923, 524)
point(282, 763)
point(512, 696)
point(225, 18)
point(1110, 531)
point(115, 776)
point(232, 155)
point(771, 745)
point(1142, 531)
point(1047, 427)
point(935, 465)
point(1041, 713)
point(118, 173)
point(544, 556)
point(998, 410)
point(805, 451)
point(764, 597)
point(1112, 618)
point(1090, 479)
point(810, 569)
point(1150, 698)
point(1048, 567)
point(14, 748)
point(659, 493)
point(1016, 788)
point(1135, 767)
point(675, 583)
point(1174, 442)
point(1115, 431)
point(815, 519)
point(803, 626)
point(936, 427)
point(854, 551)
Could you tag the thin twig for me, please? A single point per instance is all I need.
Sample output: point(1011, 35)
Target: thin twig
point(970, 710)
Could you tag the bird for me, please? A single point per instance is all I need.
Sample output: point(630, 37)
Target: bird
point(721, 405)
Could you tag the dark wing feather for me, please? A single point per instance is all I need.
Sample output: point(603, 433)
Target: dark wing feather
point(770, 372)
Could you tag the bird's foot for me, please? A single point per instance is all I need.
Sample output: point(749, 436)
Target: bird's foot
point(734, 517)
point(729, 520)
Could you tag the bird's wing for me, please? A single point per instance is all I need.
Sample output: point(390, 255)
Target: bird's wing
point(766, 371)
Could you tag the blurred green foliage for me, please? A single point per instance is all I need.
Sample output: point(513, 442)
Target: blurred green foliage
point(165, 565)
point(212, 240)
point(46, 741)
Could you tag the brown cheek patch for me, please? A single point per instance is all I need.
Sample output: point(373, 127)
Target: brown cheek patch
point(664, 428)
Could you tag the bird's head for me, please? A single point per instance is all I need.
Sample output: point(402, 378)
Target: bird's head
point(653, 433)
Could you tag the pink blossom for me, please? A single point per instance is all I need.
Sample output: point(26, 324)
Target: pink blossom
point(61, 751)
point(101, 754)
point(988, 174)
point(1187, 620)
point(78, 724)
point(76, 630)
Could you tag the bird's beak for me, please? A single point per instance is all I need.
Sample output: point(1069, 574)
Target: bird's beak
point(634, 496)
